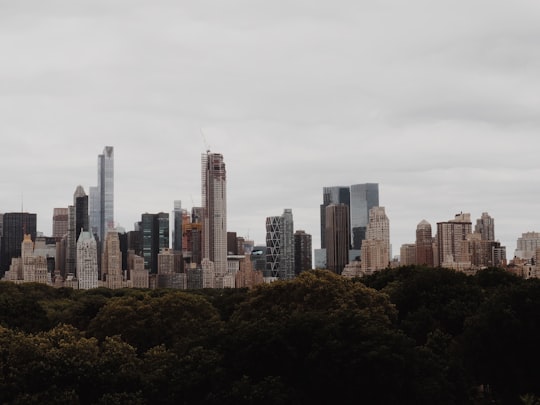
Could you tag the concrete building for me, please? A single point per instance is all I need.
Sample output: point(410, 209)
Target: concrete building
point(407, 254)
point(485, 226)
point(424, 244)
point(450, 237)
point(60, 223)
point(111, 267)
point(376, 251)
point(527, 244)
point(214, 202)
point(87, 261)
point(337, 237)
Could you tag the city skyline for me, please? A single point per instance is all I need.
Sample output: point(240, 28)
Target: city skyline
point(443, 119)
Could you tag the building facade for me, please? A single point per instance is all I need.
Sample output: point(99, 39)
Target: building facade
point(303, 260)
point(87, 261)
point(214, 202)
point(15, 226)
point(363, 198)
point(337, 237)
point(376, 250)
point(280, 247)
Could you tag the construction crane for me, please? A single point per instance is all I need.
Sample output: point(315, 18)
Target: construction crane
point(204, 141)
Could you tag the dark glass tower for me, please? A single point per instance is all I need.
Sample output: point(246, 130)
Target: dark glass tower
point(15, 226)
point(155, 236)
point(332, 195)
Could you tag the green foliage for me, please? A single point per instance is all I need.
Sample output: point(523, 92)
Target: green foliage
point(409, 335)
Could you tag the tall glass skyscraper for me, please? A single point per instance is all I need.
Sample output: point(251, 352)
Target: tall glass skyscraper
point(106, 191)
point(214, 203)
point(363, 198)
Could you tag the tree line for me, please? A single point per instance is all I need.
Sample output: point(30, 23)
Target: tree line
point(408, 335)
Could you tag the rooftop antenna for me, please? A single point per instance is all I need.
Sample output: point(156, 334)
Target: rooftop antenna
point(204, 141)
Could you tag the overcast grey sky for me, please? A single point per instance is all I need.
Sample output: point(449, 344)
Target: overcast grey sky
point(437, 101)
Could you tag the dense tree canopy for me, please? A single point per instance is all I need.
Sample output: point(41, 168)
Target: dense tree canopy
point(408, 335)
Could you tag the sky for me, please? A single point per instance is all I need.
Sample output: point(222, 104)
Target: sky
point(437, 101)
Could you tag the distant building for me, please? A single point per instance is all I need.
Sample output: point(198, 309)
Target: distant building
point(407, 256)
point(332, 195)
point(154, 237)
point(527, 244)
point(111, 266)
point(337, 237)
point(363, 198)
point(485, 226)
point(214, 220)
point(450, 237)
point(424, 244)
point(302, 252)
point(60, 223)
point(376, 250)
point(87, 261)
point(177, 226)
point(280, 247)
point(15, 226)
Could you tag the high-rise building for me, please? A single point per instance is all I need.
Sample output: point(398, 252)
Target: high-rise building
point(155, 236)
point(214, 202)
point(338, 234)
point(280, 246)
point(407, 254)
point(102, 205)
point(71, 243)
point(15, 226)
point(363, 198)
point(485, 226)
point(87, 261)
point(424, 244)
point(527, 244)
point(332, 195)
point(177, 226)
point(60, 223)
point(302, 252)
point(450, 238)
point(111, 267)
point(94, 210)
point(376, 250)
point(80, 201)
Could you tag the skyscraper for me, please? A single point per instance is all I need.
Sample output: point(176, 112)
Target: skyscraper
point(485, 226)
point(332, 195)
point(15, 226)
point(80, 201)
point(376, 247)
point(177, 226)
point(60, 223)
point(214, 202)
point(87, 261)
point(111, 267)
point(302, 252)
point(155, 236)
point(338, 235)
point(363, 198)
point(280, 246)
point(424, 244)
point(450, 238)
point(105, 191)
